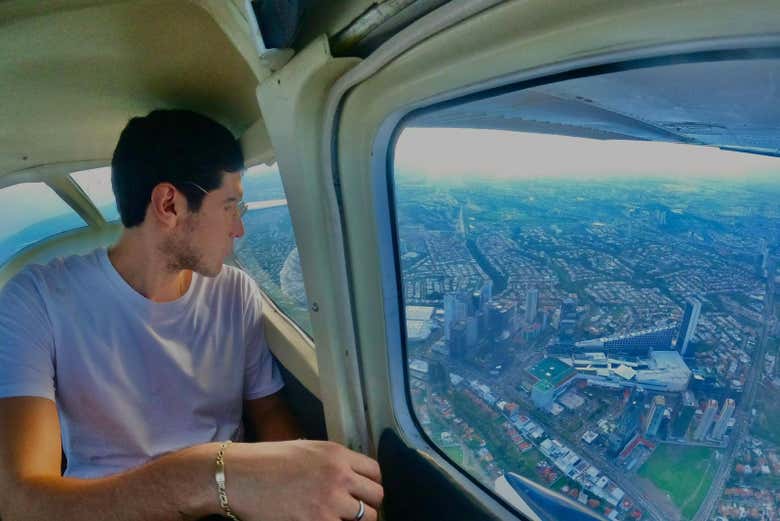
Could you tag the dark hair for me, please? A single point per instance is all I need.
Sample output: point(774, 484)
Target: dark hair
point(174, 146)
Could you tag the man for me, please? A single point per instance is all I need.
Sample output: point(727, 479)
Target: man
point(141, 360)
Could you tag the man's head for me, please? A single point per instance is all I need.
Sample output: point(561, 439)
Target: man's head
point(177, 174)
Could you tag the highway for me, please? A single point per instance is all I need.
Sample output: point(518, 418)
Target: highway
point(742, 415)
point(619, 477)
point(627, 480)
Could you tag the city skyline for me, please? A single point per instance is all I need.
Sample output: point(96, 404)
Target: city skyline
point(661, 294)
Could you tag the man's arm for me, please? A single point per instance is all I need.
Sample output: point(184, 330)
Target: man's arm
point(169, 488)
point(270, 419)
point(268, 481)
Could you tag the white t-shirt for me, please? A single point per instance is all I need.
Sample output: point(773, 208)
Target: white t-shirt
point(133, 379)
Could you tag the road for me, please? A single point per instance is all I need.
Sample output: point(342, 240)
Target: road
point(742, 413)
point(626, 480)
point(739, 432)
point(619, 477)
point(613, 472)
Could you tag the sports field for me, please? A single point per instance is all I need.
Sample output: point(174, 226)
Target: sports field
point(685, 473)
point(455, 453)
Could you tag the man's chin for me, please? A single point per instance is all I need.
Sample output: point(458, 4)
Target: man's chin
point(210, 271)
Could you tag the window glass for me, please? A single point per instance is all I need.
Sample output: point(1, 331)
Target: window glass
point(597, 316)
point(268, 251)
point(31, 212)
point(96, 183)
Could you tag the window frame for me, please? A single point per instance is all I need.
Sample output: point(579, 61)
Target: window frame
point(308, 338)
point(81, 190)
point(382, 170)
point(53, 237)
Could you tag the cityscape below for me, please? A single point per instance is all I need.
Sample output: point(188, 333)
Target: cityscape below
point(614, 341)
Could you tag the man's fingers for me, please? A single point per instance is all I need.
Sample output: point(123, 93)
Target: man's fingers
point(368, 490)
point(365, 466)
point(371, 514)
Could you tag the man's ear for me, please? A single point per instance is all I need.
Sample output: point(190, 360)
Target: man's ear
point(167, 205)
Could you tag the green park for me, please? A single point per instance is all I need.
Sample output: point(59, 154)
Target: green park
point(684, 473)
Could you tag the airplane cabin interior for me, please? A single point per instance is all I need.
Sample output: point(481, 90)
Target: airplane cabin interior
point(523, 252)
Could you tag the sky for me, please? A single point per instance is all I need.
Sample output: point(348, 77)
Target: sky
point(499, 154)
point(439, 153)
point(27, 203)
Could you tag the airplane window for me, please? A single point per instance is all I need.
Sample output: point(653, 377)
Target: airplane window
point(268, 251)
point(30, 213)
point(96, 183)
point(597, 313)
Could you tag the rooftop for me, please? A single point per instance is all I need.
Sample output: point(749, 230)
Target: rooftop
point(552, 371)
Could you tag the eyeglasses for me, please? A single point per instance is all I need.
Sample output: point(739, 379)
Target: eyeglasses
point(241, 206)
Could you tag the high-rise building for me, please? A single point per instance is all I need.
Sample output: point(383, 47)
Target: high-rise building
point(568, 323)
point(472, 332)
point(476, 295)
point(501, 317)
point(482, 325)
point(638, 343)
point(763, 247)
point(628, 423)
point(487, 292)
point(655, 416)
point(438, 377)
point(457, 342)
point(455, 308)
point(723, 421)
point(684, 416)
point(531, 304)
point(481, 296)
point(706, 420)
point(513, 318)
point(688, 325)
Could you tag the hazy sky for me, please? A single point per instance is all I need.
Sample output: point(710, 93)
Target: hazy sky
point(28, 203)
point(500, 154)
point(469, 153)
point(25, 204)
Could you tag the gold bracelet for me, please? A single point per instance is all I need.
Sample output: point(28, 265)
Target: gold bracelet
point(220, 478)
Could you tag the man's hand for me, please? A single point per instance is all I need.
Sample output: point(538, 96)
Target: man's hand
point(272, 481)
point(301, 480)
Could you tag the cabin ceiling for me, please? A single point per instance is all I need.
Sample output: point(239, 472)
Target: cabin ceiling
point(73, 72)
point(70, 78)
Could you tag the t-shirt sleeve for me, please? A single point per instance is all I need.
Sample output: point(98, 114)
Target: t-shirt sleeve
point(261, 376)
point(26, 340)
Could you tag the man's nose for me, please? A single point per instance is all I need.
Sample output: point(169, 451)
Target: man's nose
point(238, 228)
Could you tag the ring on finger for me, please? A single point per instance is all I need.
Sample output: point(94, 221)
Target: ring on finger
point(361, 510)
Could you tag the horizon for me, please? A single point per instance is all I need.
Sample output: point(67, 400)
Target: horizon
point(459, 155)
point(480, 154)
